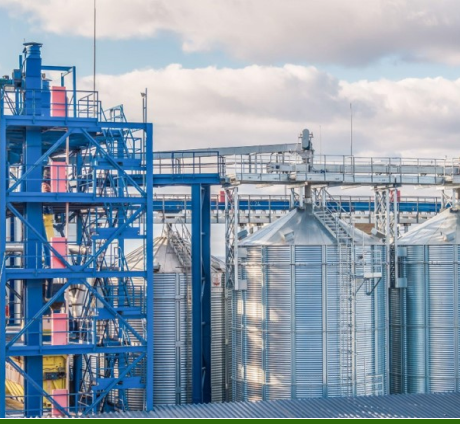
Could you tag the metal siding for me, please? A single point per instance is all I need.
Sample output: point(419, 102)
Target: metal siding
point(247, 331)
point(170, 321)
point(416, 326)
point(287, 332)
point(446, 405)
point(308, 321)
point(277, 323)
point(218, 341)
point(397, 344)
point(332, 355)
point(432, 299)
point(441, 319)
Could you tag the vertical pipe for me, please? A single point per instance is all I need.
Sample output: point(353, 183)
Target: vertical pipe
point(77, 373)
point(426, 319)
point(3, 185)
point(94, 45)
point(74, 89)
point(293, 329)
point(197, 393)
point(324, 310)
point(201, 293)
point(236, 213)
point(149, 264)
point(206, 291)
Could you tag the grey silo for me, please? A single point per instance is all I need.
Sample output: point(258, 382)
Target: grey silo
point(287, 336)
point(425, 315)
point(172, 325)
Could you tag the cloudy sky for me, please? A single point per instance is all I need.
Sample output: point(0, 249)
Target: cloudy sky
point(235, 72)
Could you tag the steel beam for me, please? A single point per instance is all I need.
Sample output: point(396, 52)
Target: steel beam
point(149, 268)
point(3, 280)
point(201, 294)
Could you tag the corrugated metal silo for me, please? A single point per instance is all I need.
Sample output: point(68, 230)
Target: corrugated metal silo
point(172, 322)
point(300, 329)
point(425, 315)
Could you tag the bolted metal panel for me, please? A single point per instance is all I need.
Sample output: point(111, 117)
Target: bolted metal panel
point(446, 405)
point(331, 304)
point(220, 348)
point(431, 302)
point(397, 341)
point(308, 323)
point(442, 350)
point(170, 327)
point(286, 326)
point(247, 331)
point(276, 323)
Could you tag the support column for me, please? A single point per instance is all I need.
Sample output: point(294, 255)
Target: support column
point(33, 289)
point(149, 265)
point(231, 237)
point(201, 293)
point(3, 186)
point(33, 214)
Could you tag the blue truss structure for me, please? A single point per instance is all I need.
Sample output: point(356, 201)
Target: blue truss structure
point(107, 204)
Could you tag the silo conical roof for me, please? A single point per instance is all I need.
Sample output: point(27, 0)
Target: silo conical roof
point(165, 256)
point(302, 227)
point(444, 228)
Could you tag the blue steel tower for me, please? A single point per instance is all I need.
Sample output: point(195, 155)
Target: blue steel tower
point(76, 192)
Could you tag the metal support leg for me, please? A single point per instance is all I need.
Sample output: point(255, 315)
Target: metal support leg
point(149, 268)
point(33, 288)
point(231, 237)
point(3, 185)
point(201, 294)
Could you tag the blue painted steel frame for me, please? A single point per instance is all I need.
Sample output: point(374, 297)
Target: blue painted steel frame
point(176, 205)
point(201, 294)
point(149, 264)
point(33, 199)
point(3, 220)
point(32, 274)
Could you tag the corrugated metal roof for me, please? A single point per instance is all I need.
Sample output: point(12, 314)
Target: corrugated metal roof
point(443, 229)
point(445, 405)
point(303, 228)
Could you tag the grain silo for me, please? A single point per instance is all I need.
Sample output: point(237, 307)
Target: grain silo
point(172, 319)
point(309, 324)
point(425, 308)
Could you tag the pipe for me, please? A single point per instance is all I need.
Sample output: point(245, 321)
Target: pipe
point(14, 248)
point(19, 248)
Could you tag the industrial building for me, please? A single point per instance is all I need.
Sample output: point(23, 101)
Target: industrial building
point(104, 317)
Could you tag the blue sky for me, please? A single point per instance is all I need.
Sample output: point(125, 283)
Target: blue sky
point(244, 72)
point(117, 56)
point(113, 56)
point(229, 72)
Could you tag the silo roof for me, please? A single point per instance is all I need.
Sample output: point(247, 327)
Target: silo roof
point(165, 256)
point(444, 228)
point(302, 227)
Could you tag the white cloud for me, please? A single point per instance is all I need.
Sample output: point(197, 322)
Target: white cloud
point(351, 32)
point(207, 107)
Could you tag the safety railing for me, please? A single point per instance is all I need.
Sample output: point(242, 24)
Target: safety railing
point(100, 178)
point(186, 163)
point(44, 259)
point(288, 162)
point(55, 103)
point(385, 165)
